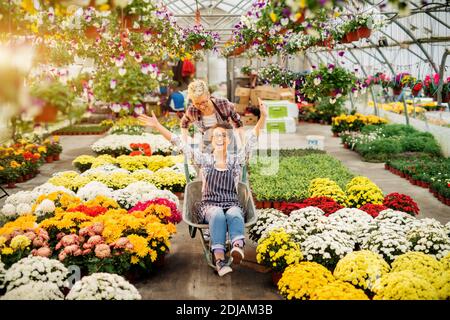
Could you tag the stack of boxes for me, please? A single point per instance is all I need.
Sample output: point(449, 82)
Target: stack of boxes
point(282, 116)
point(282, 110)
point(243, 94)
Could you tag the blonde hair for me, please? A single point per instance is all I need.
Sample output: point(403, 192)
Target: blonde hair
point(197, 88)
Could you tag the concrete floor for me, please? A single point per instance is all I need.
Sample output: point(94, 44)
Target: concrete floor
point(186, 274)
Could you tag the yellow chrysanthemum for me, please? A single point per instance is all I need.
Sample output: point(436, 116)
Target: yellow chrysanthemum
point(139, 243)
point(20, 242)
point(338, 290)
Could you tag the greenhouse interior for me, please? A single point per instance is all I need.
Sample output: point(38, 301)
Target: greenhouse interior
point(224, 150)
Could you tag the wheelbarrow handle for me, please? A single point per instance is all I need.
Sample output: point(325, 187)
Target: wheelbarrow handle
point(186, 170)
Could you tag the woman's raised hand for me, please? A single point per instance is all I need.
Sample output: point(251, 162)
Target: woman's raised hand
point(148, 121)
point(262, 108)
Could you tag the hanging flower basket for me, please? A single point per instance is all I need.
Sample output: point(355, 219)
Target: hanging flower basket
point(397, 91)
point(364, 32)
point(345, 39)
point(352, 36)
point(48, 114)
point(301, 19)
point(239, 50)
point(128, 21)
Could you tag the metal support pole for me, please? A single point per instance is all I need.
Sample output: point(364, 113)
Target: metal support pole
point(441, 76)
point(405, 107)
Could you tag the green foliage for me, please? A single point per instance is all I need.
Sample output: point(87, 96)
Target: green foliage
point(288, 177)
point(53, 93)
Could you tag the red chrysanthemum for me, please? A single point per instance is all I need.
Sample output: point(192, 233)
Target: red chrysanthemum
point(328, 205)
point(175, 216)
point(401, 202)
point(373, 209)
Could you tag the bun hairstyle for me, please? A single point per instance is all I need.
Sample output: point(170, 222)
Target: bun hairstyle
point(197, 88)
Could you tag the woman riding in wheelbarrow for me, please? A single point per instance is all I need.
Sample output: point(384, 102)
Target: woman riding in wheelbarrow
point(220, 206)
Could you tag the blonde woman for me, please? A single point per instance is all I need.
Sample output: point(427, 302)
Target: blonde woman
point(206, 112)
point(219, 206)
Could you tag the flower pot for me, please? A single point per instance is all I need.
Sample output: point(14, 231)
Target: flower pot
point(276, 204)
point(335, 134)
point(197, 46)
point(49, 159)
point(267, 204)
point(364, 32)
point(352, 36)
point(160, 261)
point(397, 91)
point(91, 33)
point(276, 276)
point(48, 114)
point(386, 166)
point(19, 180)
point(345, 39)
point(447, 201)
point(414, 93)
point(11, 185)
point(56, 157)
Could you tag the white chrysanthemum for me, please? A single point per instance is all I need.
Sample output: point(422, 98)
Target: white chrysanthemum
point(103, 286)
point(34, 290)
point(350, 220)
point(22, 197)
point(23, 208)
point(266, 217)
point(327, 247)
point(429, 236)
point(104, 169)
point(140, 192)
point(289, 226)
point(311, 219)
point(386, 239)
point(46, 206)
point(94, 189)
point(48, 188)
point(35, 268)
point(394, 216)
point(179, 168)
point(9, 210)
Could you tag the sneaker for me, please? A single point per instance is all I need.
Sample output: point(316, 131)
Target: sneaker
point(222, 268)
point(206, 235)
point(238, 254)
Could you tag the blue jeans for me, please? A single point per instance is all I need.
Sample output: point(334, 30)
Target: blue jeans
point(219, 221)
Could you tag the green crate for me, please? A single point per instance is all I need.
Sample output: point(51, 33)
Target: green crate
point(276, 126)
point(277, 112)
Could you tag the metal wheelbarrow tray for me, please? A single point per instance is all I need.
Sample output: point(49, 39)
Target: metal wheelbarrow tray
point(192, 198)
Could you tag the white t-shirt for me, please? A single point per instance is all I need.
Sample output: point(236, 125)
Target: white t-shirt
point(210, 121)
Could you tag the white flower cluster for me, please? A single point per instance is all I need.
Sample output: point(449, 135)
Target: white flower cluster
point(385, 238)
point(46, 207)
point(104, 169)
point(21, 202)
point(327, 247)
point(35, 290)
point(103, 286)
point(396, 217)
point(447, 228)
point(118, 142)
point(289, 226)
point(311, 219)
point(429, 236)
point(141, 192)
point(266, 217)
point(35, 268)
point(351, 221)
point(94, 189)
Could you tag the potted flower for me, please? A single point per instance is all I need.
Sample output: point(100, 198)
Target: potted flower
point(364, 23)
point(9, 175)
point(124, 85)
point(54, 97)
point(137, 14)
point(196, 38)
point(415, 89)
point(351, 30)
point(397, 83)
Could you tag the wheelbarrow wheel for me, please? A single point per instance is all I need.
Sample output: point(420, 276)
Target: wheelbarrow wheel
point(192, 231)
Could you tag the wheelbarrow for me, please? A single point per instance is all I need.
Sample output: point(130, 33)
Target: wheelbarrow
point(192, 198)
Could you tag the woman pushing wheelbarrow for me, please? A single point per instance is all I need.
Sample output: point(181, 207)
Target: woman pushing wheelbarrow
point(220, 206)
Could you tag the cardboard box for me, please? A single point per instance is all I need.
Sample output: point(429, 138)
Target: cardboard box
point(242, 92)
point(240, 108)
point(271, 93)
point(249, 119)
point(244, 100)
point(254, 97)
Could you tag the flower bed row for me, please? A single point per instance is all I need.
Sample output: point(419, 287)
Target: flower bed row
point(120, 144)
point(380, 143)
point(354, 122)
point(21, 160)
point(357, 255)
point(287, 177)
point(82, 130)
point(432, 173)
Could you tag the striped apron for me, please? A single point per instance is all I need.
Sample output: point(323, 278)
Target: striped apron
point(219, 190)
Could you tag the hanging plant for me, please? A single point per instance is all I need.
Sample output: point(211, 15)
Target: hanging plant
point(196, 38)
